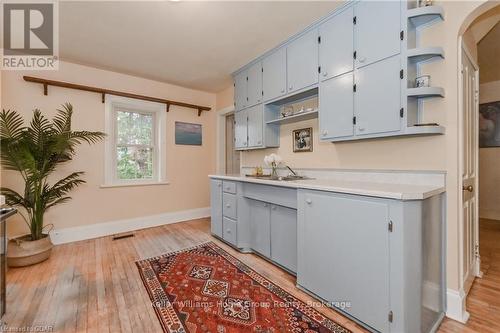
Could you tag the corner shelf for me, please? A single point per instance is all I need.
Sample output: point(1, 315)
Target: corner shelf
point(425, 53)
point(294, 118)
point(424, 92)
point(423, 15)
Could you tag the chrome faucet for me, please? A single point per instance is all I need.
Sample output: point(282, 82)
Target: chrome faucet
point(291, 170)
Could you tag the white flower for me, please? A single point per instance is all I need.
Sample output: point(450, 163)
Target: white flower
point(273, 159)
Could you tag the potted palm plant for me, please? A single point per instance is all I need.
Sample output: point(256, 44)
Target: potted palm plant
point(35, 152)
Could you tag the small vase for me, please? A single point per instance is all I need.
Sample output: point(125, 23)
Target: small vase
point(274, 172)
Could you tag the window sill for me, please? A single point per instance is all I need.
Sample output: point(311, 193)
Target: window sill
point(134, 184)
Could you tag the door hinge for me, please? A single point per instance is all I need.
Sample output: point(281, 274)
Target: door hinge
point(354, 20)
point(354, 120)
point(391, 226)
point(391, 316)
point(354, 88)
point(401, 112)
point(402, 35)
point(319, 69)
point(319, 39)
point(354, 54)
point(401, 74)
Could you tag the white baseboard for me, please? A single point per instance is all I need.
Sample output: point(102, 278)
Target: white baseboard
point(74, 234)
point(455, 305)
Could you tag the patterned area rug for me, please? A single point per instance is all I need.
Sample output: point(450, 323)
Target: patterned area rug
point(205, 289)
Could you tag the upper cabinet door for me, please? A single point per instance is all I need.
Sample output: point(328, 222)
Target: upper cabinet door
point(336, 47)
point(240, 129)
point(336, 107)
point(302, 61)
point(377, 100)
point(377, 30)
point(255, 126)
point(274, 74)
point(240, 90)
point(254, 87)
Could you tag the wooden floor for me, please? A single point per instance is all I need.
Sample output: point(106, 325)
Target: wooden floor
point(94, 285)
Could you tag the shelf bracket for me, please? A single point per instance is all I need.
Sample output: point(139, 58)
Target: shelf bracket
point(45, 89)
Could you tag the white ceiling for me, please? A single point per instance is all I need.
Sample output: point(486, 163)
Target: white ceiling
point(192, 44)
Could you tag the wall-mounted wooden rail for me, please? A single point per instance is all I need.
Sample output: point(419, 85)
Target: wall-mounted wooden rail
point(105, 92)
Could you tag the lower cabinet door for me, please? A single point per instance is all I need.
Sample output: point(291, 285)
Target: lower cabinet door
point(344, 254)
point(284, 236)
point(216, 207)
point(260, 227)
point(230, 231)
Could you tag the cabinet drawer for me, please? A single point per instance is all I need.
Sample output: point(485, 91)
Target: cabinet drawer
point(230, 229)
point(278, 195)
point(229, 205)
point(229, 187)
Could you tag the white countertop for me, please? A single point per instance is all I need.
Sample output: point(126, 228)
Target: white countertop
point(372, 189)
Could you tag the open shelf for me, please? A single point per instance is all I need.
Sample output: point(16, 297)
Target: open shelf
point(425, 53)
point(294, 118)
point(423, 15)
point(424, 130)
point(424, 92)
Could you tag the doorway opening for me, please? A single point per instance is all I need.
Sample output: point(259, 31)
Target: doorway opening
point(232, 156)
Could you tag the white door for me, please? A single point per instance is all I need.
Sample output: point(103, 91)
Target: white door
point(232, 155)
point(469, 168)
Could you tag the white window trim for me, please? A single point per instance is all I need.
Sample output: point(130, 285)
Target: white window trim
point(160, 155)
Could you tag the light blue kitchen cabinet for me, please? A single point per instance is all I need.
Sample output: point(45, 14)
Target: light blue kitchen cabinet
point(230, 231)
point(284, 236)
point(344, 253)
point(336, 47)
point(255, 126)
point(302, 61)
point(377, 100)
point(240, 90)
point(216, 207)
point(274, 74)
point(254, 84)
point(336, 104)
point(229, 208)
point(241, 129)
point(376, 31)
point(260, 226)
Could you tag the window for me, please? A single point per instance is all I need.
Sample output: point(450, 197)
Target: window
point(135, 146)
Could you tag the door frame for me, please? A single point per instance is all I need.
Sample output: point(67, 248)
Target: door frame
point(220, 165)
point(476, 269)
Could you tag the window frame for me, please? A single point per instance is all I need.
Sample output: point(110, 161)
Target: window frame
point(113, 105)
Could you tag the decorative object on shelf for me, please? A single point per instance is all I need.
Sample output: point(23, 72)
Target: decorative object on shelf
point(273, 161)
point(302, 140)
point(423, 81)
point(424, 3)
point(188, 134)
point(489, 125)
point(36, 152)
point(287, 111)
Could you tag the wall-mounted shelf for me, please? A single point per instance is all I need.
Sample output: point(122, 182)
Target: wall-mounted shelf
point(425, 130)
point(295, 118)
point(425, 53)
point(424, 92)
point(423, 15)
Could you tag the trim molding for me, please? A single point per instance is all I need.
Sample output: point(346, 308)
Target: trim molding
point(74, 234)
point(455, 305)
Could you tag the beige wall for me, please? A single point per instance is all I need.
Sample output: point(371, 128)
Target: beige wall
point(419, 153)
point(489, 163)
point(187, 166)
point(225, 98)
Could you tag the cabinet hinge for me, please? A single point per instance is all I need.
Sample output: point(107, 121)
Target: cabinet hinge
point(262, 69)
point(391, 226)
point(402, 35)
point(247, 99)
point(354, 120)
point(354, 88)
point(401, 74)
point(391, 316)
point(401, 112)
point(234, 84)
point(354, 20)
point(319, 69)
point(354, 55)
point(247, 78)
point(319, 39)
point(262, 92)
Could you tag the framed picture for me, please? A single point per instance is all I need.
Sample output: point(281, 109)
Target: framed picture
point(302, 140)
point(187, 134)
point(489, 125)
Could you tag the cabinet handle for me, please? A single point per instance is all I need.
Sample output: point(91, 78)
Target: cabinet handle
point(309, 201)
point(274, 207)
point(361, 129)
point(219, 185)
point(325, 74)
point(265, 205)
point(228, 231)
point(291, 87)
point(259, 142)
point(228, 206)
point(325, 133)
point(282, 90)
point(362, 59)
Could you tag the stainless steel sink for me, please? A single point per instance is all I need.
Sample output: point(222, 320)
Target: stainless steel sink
point(292, 177)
